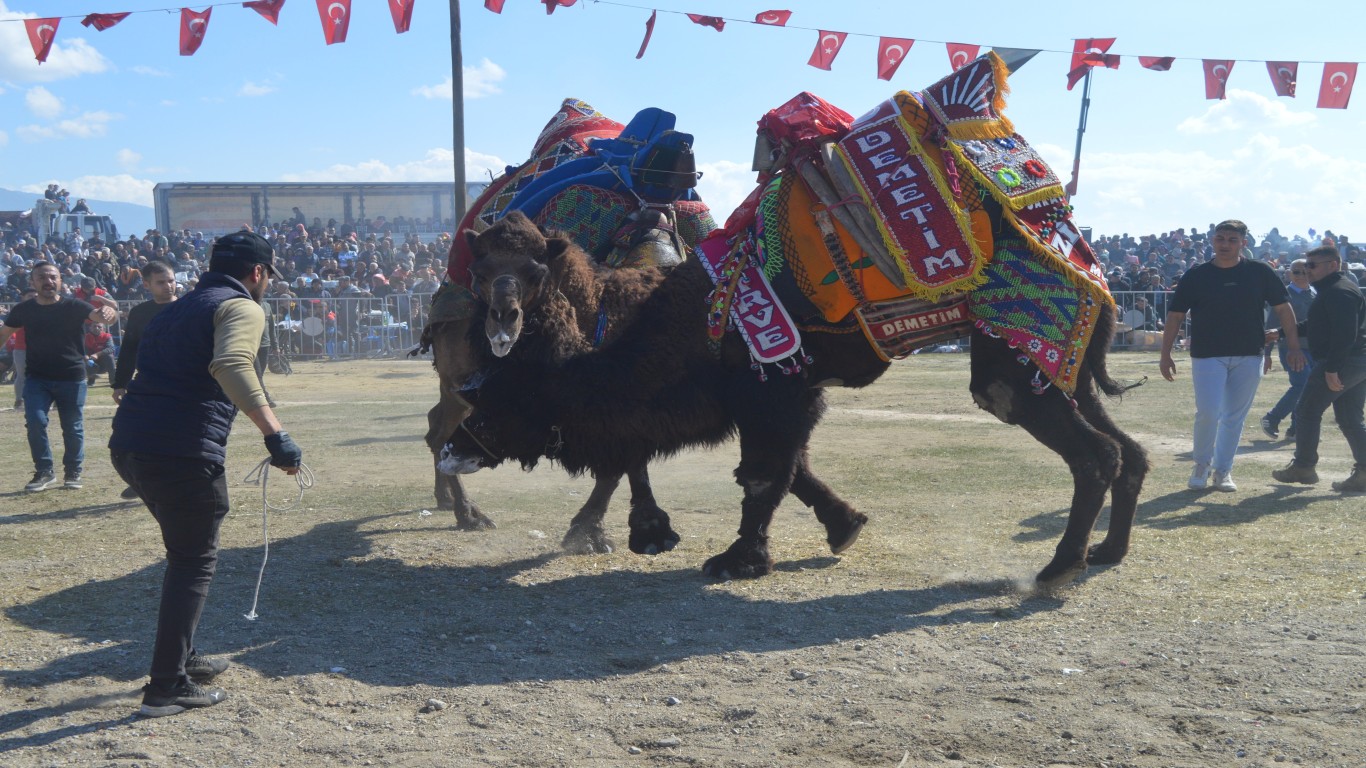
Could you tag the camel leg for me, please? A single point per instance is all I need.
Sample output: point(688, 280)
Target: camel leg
point(1002, 386)
point(650, 529)
point(775, 423)
point(1133, 468)
point(586, 535)
point(842, 522)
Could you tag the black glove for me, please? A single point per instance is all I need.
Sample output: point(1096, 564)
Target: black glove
point(283, 452)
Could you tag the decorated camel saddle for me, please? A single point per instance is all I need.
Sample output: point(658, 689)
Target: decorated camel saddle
point(913, 223)
point(624, 193)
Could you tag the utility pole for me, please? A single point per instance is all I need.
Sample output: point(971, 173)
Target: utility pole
point(1071, 187)
point(458, 113)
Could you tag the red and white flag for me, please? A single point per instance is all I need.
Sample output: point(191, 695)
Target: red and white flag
point(773, 18)
point(891, 51)
point(715, 22)
point(41, 33)
point(1157, 63)
point(1087, 53)
point(494, 5)
point(269, 9)
point(103, 21)
point(192, 28)
point(402, 11)
point(336, 18)
point(1336, 88)
point(649, 32)
point(827, 48)
point(1283, 76)
point(960, 54)
point(1216, 77)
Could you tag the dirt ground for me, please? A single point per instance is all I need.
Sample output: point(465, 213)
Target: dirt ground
point(1232, 635)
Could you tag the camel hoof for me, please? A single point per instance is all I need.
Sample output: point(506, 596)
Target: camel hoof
point(473, 520)
point(739, 563)
point(847, 536)
point(652, 539)
point(587, 541)
point(1056, 576)
point(1106, 554)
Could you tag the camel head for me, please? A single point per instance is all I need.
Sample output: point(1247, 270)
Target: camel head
point(509, 273)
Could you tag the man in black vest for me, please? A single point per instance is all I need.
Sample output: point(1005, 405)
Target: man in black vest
point(169, 443)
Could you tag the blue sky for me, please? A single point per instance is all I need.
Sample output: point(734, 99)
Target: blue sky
point(112, 113)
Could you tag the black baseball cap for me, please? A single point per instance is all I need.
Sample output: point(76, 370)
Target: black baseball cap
point(246, 246)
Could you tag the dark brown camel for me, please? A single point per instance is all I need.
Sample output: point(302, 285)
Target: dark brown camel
point(659, 388)
point(609, 298)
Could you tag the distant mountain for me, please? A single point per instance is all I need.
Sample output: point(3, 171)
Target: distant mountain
point(128, 217)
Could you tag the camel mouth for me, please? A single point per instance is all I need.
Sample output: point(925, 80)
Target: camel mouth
point(501, 343)
point(452, 463)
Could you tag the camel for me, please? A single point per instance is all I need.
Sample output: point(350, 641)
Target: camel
point(609, 297)
point(993, 232)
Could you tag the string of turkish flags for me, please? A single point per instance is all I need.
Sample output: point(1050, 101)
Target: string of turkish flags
point(335, 16)
point(1335, 89)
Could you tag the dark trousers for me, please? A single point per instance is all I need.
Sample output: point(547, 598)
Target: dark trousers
point(1347, 405)
point(189, 499)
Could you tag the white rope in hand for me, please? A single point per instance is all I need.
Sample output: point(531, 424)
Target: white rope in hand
point(259, 476)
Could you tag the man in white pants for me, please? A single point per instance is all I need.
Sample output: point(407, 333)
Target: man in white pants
point(1226, 298)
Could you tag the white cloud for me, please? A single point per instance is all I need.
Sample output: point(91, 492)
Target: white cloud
point(122, 188)
point(436, 165)
point(88, 125)
point(479, 81)
point(724, 185)
point(1245, 110)
point(69, 57)
point(255, 89)
point(43, 103)
point(128, 158)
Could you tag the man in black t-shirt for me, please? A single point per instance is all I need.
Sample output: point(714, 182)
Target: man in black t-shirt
point(1226, 297)
point(54, 332)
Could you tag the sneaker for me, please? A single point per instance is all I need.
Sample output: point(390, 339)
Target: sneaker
point(1290, 433)
point(1199, 478)
point(128, 493)
point(72, 480)
point(1354, 484)
point(41, 481)
point(160, 702)
point(1223, 481)
point(1294, 473)
point(202, 669)
point(1269, 428)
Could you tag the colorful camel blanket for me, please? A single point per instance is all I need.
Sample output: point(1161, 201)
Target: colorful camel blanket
point(744, 300)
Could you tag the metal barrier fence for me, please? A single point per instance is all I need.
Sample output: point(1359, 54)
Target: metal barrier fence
point(359, 328)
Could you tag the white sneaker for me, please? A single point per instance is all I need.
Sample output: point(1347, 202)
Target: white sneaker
point(1199, 478)
point(1223, 481)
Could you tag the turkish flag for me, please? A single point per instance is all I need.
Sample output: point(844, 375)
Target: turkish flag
point(103, 21)
point(1087, 53)
point(551, 5)
point(715, 22)
point(773, 18)
point(827, 48)
point(41, 33)
point(1283, 76)
point(961, 53)
point(494, 5)
point(1336, 88)
point(1157, 63)
point(270, 9)
point(192, 28)
point(1216, 77)
point(649, 32)
point(891, 51)
point(402, 11)
point(336, 18)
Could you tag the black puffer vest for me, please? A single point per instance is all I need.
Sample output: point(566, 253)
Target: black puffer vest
point(173, 406)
